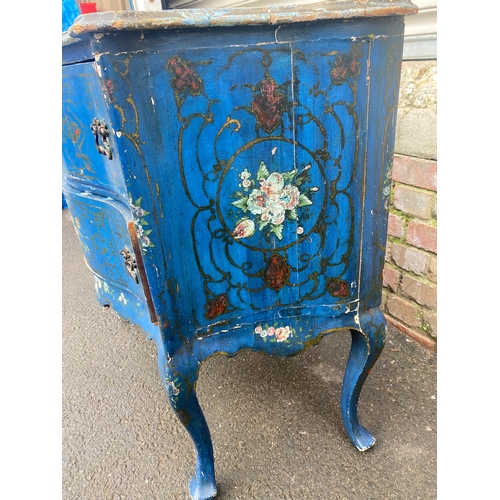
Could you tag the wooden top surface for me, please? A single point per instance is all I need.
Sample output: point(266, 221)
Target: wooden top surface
point(106, 22)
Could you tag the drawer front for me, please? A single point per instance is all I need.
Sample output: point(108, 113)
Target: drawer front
point(107, 236)
point(251, 166)
point(89, 152)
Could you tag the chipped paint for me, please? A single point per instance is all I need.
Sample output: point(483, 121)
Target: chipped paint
point(121, 298)
point(97, 68)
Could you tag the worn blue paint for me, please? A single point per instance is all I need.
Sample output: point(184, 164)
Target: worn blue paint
point(250, 177)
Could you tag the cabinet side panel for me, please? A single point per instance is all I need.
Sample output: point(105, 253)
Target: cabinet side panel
point(385, 64)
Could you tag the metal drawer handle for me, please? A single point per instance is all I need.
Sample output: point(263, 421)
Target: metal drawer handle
point(130, 264)
point(100, 129)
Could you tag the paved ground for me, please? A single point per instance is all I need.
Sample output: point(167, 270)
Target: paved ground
point(275, 423)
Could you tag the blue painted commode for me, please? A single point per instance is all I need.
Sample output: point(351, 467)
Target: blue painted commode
point(228, 173)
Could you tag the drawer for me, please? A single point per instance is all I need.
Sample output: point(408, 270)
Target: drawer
point(89, 149)
point(111, 250)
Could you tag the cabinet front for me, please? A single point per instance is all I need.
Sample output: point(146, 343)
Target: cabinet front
point(250, 158)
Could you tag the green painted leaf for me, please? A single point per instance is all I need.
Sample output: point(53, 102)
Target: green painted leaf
point(241, 203)
point(292, 214)
point(144, 222)
point(288, 176)
point(261, 224)
point(302, 178)
point(263, 173)
point(277, 230)
point(304, 200)
point(138, 202)
point(148, 232)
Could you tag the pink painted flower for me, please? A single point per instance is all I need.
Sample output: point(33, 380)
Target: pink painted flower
point(270, 331)
point(256, 201)
point(282, 333)
point(290, 197)
point(244, 229)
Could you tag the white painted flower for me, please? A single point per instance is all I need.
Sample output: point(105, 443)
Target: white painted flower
point(245, 175)
point(273, 184)
point(300, 229)
point(274, 212)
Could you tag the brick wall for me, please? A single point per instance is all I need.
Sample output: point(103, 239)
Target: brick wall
point(410, 272)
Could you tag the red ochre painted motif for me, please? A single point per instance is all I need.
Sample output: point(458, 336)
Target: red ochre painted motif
point(276, 272)
point(268, 105)
point(184, 79)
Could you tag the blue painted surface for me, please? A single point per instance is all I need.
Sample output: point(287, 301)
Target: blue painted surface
point(70, 11)
point(255, 165)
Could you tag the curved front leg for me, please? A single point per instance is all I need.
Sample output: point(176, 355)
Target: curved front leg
point(179, 383)
point(367, 344)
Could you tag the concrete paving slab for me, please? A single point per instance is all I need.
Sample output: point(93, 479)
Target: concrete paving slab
point(275, 422)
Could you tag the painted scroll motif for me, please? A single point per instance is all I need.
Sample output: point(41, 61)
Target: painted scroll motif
point(268, 165)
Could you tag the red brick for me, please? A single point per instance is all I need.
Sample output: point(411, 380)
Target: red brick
point(403, 310)
point(415, 172)
point(396, 226)
point(391, 278)
point(422, 236)
point(422, 339)
point(388, 251)
point(430, 318)
point(410, 259)
point(432, 272)
point(413, 201)
point(422, 293)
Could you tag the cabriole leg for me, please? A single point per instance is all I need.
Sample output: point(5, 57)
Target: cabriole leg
point(367, 344)
point(180, 388)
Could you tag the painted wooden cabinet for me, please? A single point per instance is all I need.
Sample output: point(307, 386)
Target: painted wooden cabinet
point(228, 173)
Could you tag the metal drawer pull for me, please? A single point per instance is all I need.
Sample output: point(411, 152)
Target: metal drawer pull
point(130, 264)
point(100, 129)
